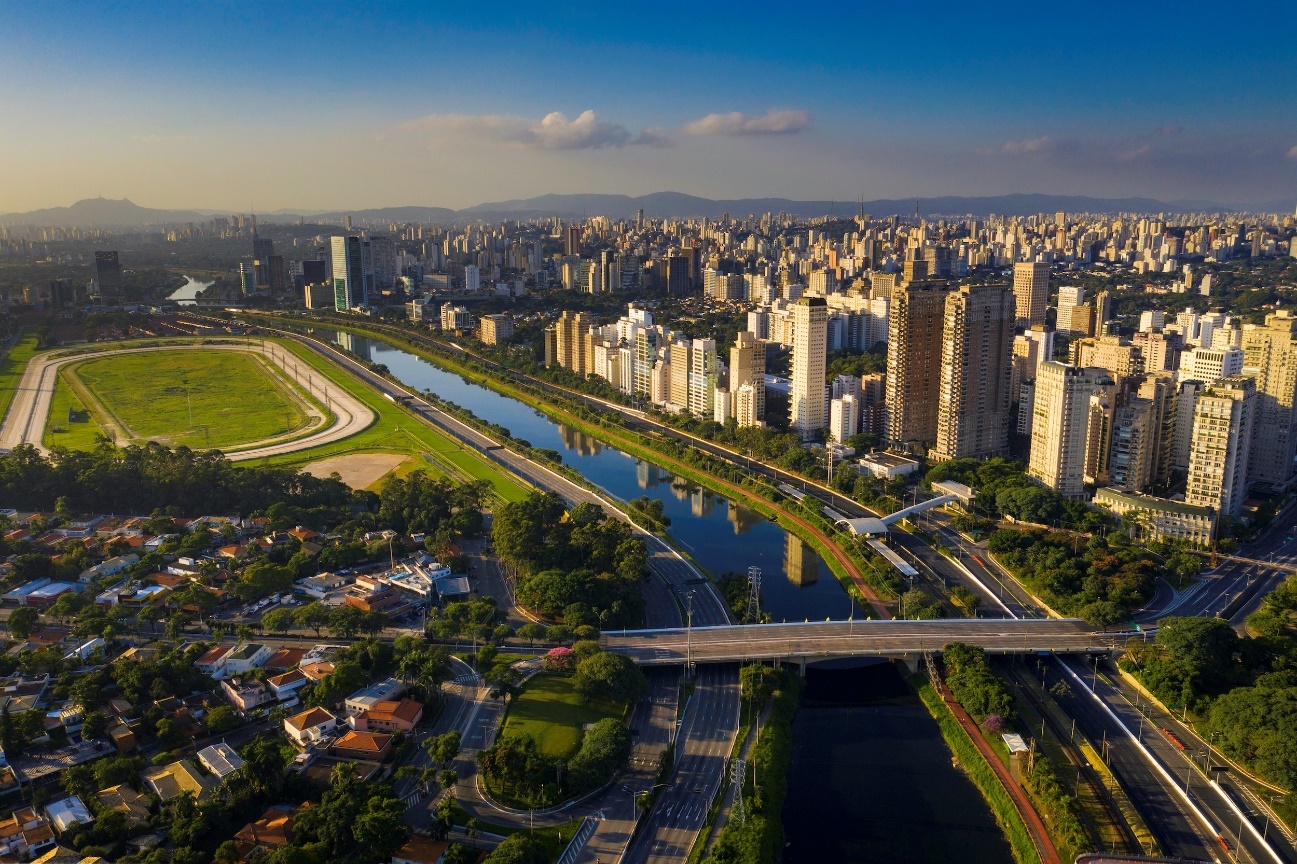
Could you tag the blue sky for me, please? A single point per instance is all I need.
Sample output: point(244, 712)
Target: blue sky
point(357, 105)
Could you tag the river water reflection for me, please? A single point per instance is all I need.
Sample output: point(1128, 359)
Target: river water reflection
point(719, 534)
point(872, 780)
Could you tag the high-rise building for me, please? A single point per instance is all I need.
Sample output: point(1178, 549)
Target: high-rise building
point(748, 366)
point(263, 249)
point(108, 275)
point(844, 416)
point(810, 323)
point(572, 240)
point(679, 355)
point(1132, 446)
point(642, 364)
point(247, 278)
point(1060, 425)
point(1211, 364)
point(1221, 446)
point(1113, 353)
point(973, 406)
point(914, 346)
point(702, 378)
point(382, 254)
point(1031, 291)
point(1160, 390)
point(352, 275)
point(1270, 356)
point(573, 347)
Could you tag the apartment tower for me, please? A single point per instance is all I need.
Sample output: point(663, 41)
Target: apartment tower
point(973, 411)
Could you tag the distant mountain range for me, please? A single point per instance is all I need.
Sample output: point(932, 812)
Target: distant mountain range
point(111, 213)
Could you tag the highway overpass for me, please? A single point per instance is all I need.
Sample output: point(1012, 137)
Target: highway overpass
point(831, 639)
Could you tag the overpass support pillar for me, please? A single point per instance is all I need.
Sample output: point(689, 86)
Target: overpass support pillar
point(913, 663)
point(801, 668)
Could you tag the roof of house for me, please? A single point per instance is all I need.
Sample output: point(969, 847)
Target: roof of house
point(422, 850)
point(68, 812)
point(290, 677)
point(274, 828)
point(215, 653)
point(407, 710)
point(316, 671)
point(220, 758)
point(309, 718)
point(125, 799)
point(170, 781)
point(285, 658)
point(364, 742)
point(246, 651)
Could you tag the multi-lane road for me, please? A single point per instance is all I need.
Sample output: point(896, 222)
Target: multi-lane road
point(834, 639)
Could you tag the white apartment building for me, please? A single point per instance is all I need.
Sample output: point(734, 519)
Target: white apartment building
point(810, 319)
point(1222, 438)
point(1060, 425)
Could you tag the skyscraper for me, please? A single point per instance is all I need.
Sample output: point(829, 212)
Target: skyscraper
point(262, 251)
point(1061, 424)
point(914, 344)
point(810, 323)
point(702, 378)
point(108, 274)
point(973, 407)
point(1221, 445)
point(352, 274)
point(748, 367)
point(1270, 356)
point(1031, 288)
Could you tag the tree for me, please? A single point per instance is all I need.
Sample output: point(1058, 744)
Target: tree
point(279, 620)
point(23, 621)
point(518, 849)
point(758, 683)
point(442, 749)
point(221, 719)
point(608, 675)
point(378, 827)
point(346, 621)
point(94, 725)
point(314, 616)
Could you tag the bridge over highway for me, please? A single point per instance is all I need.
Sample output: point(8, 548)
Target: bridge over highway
point(829, 639)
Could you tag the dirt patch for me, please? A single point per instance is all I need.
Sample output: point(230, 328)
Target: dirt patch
point(357, 470)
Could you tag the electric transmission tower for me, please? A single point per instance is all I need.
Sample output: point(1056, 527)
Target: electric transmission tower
point(736, 777)
point(753, 615)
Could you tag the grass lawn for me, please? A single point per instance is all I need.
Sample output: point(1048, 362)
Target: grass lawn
point(398, 430)
point(549, 710)
point(70, 423)
point(11, 370)
point(233, 397)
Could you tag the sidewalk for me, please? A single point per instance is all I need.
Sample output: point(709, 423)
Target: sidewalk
point(727, 803)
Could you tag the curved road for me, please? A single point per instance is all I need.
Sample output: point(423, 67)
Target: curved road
point(25, 422)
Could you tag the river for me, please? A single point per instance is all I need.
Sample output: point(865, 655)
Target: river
point(186, 294)
point(719, 534)
point(872, 780)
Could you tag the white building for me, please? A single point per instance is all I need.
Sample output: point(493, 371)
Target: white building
point(844, 417)
point(1060, 425)
point(1222, 437)
point(810, 322)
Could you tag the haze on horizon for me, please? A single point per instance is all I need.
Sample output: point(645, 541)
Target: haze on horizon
point(326, 106)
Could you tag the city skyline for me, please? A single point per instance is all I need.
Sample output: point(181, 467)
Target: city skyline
point(200, 109)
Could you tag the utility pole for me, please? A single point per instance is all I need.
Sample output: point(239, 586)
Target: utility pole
point(689, 632)
point(753, 615)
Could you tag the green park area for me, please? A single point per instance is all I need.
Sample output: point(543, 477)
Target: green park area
point(70, 423)
point(398, 431)
point(12, 365)
point(204, 399)
point(549, 709)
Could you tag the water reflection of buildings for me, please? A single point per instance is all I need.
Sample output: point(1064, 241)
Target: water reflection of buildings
point(680, 488)
point(648, 475)
point(583, 444)
point(742, 518)
point(801, 565)
point(702, 503)
point(357, 345)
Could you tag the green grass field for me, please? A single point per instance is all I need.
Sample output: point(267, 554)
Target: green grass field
point(549, 710)
point(203, 399)
point(398, 430)
point(70, 423)
point(11, 370)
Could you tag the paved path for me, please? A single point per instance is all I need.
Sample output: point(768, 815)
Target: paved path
point(25, 422)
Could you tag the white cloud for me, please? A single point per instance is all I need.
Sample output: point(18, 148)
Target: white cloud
point(1292, 154)
point(554, 131)
point(776, 121)
point(1043, 144)
point(1132, 155)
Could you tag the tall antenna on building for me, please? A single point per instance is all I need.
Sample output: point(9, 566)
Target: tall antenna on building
point(753, 614)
